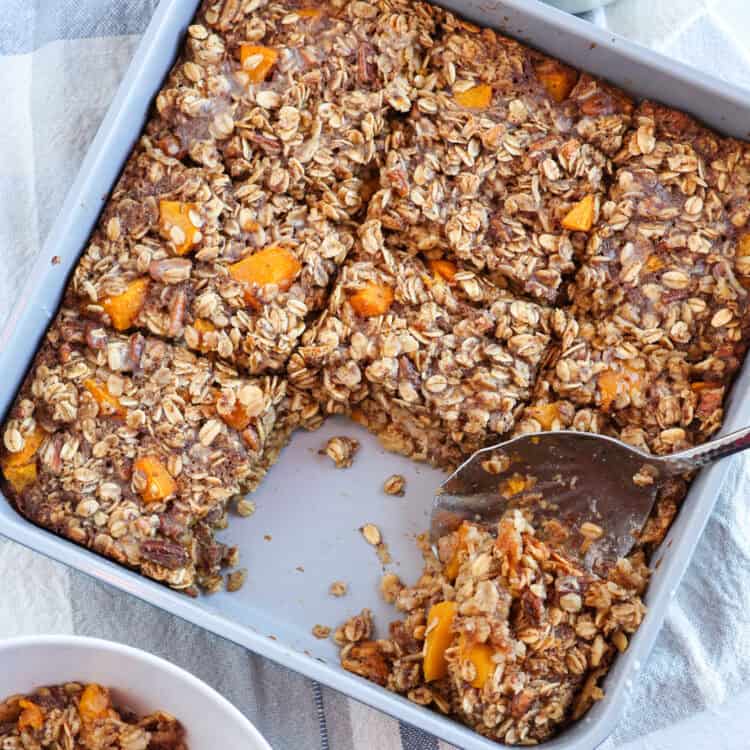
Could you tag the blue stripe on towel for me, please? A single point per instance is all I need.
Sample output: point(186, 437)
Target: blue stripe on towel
point(416, 739)
point(320, 711)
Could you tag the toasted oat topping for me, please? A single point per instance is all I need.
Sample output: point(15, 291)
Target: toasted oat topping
point(502, 632)
point(338, 588)
point(395, 485)
point(378, 209)
point(371, 533)
point(321, 631)
point(341, 450)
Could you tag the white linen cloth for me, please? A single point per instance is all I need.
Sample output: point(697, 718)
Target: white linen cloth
point(60, 63)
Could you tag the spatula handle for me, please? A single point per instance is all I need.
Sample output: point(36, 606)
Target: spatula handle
point(701, 455)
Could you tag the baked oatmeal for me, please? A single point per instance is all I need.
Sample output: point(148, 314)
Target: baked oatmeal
point(294, 98)
point(666, 262)
point(179, 255)
point(500, 163)
point(430, 356)
point(82, 717)
point(374, 208)
point(502, 632)
point(134, 448)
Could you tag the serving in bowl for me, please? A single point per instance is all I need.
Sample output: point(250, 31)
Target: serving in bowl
point(138, 681)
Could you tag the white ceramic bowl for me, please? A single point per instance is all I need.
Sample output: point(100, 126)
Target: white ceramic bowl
point(140, 681)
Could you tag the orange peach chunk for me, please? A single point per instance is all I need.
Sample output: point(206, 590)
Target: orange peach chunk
point(580, 218)
point(545, 414)
point(443, 269)
point(20, 468)
point(257, 61)
point(31, 716)
point(159, 483)
point(180, 223)
point(480, 655)
point(95, 703)
point(271, 265)
point(20, 477)
point(310, 13)
point(612, 384)
point(557, 79)
point(438, 640)
point(477, 97)
point(123, 308)
point(109, 405)
point(373, 299)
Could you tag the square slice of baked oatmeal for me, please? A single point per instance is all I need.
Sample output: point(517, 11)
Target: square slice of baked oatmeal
point(433, 358)
point(295, 95)
point(502, 162)
point(133, 448)
point(185, 254)
point(667, 260)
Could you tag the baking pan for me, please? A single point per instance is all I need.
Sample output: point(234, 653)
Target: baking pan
point(305, 533)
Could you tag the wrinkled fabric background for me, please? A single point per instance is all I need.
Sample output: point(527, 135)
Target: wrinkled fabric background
point(60, 64)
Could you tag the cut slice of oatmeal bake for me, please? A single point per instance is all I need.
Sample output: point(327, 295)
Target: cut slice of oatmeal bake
point(134, 448)
point(433, 358)
point(295, 97)
point(185, 254)
point(502, 162)
point(501, 632)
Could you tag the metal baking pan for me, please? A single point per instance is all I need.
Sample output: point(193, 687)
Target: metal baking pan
point(304, 535)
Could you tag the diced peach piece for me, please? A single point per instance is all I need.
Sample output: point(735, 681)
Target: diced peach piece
point(454, 564)
point(545, 414)
point(580, 218)
point(372, 299)
point(477, 97)
point(31, 445)
point(271, 265)
point(95, 703)
point(177, 224)
point(612, 384)
point(609, 388)
point(159, 482)
point(109, 405)
point(309, 12)
point(557, 79)
point(20, 477)
point(257, 61)
point(438, 640)
point(653, 264)
point(480, 655)
point(123, 308)
point(20, 468)
point(444, 269)
point(743, 246)
point(32, 715)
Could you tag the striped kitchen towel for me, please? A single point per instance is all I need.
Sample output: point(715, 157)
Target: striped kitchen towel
point(60, 63)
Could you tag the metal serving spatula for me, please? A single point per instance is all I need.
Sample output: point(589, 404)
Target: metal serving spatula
point(570, 478)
